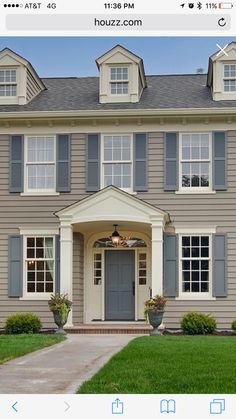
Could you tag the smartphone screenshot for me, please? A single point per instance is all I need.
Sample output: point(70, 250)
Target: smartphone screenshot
point(117, 209)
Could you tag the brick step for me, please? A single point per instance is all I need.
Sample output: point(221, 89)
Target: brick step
point(110, 329)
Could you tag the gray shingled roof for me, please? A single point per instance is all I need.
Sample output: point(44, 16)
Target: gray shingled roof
point(163, 92)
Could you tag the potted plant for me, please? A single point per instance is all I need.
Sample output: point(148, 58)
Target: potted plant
point(154, 311)
point(60, 307)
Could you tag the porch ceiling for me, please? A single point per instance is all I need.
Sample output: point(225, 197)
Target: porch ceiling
point(97, 226)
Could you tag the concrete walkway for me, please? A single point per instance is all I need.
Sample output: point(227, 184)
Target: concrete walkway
point(60, 368)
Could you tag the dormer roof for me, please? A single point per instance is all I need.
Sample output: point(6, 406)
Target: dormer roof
point(18, 59)
point(127, 55)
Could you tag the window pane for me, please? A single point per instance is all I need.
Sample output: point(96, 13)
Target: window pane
point(186, 287)
point(40, 273)
point(205, 241)
point(204, 287)
point(119, 88)
point(186, 241)
point(186, 153)
point(195, 286)
point(30, 242)
point(186, 265)
point(30, 253)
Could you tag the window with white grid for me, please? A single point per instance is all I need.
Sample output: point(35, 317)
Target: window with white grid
point(230, 77)
point(119, 80)
point(40, 163)
point(195, 263)
point(8, 83)
point(195, 161)
point(117, 161)
point(40, 260)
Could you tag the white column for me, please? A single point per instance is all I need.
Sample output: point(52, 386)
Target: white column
point(66, 260)
point(157, 257)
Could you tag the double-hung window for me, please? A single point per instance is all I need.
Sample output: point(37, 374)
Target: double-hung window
point(40, 264)
point(119, 80)
point(230, 77)
point(195, 161)
point(8, 83)
point(195, 264)
point(117, 161)
point(40, 163)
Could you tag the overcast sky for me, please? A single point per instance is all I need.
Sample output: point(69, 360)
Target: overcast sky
point(75, 56)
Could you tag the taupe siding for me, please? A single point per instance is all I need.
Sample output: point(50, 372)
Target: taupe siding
point(24, 211)
point(32, 87)
point(199, 211)
point(78, 278)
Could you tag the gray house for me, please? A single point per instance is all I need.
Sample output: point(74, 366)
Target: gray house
point(116, 187)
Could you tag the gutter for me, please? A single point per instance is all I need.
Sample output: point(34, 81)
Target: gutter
point(120, 112)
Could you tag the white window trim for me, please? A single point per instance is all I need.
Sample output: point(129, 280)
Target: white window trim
point(197, 296)
point(38, 192)
point(195, 190)
point(119, 81)
point(40, 296)
point(228, 78)
point(7, 83)
point(131, 161)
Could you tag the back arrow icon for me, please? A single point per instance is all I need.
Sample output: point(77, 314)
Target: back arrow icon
point(67, 406)
point(14, 407)
point(222, 22)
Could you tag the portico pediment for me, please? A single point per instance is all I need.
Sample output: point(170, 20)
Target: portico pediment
point(112, 204)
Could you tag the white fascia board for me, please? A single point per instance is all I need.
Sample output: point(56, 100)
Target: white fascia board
point(123, 112)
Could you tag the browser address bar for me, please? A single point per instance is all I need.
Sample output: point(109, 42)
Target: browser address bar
point(93, 22)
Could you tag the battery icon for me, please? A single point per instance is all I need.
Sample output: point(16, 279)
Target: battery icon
point(225, 5)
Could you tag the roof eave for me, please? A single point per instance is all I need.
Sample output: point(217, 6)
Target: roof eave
point(118, 112)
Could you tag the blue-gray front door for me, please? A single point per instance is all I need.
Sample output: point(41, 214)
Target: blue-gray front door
point(120, 284)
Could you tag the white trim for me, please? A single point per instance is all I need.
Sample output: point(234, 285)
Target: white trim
point(195, 295)
point(131, 161)
point(28, 295)
point(38, 192)
point(199, 191)
point(31, 231)
point(195, 190)
point(97, 292)
point(195, 230)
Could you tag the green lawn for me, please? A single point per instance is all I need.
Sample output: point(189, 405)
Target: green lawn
point(12, 346)
point(169, 364)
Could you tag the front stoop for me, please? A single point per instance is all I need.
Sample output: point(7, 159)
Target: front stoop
point(110, 329)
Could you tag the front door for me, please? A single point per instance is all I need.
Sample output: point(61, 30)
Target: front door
point(120, 284)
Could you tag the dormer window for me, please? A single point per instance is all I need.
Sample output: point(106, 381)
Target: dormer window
point(119, 80)
point(230, 77)
point(8, 85)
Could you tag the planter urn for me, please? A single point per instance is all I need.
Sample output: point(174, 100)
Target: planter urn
point(155, 320)
point(60, 320)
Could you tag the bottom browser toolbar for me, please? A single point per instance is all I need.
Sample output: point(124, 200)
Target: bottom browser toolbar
point(132, 406)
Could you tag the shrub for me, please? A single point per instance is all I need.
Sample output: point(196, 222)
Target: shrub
point(198, 324)
point(23, 323)
point(233, 325)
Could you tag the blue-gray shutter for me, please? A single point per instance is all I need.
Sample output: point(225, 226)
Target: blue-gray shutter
point(63, 163)
point(219, 166)
point(16, 175)
point(171, 277)
point(57, 264)
point(15, 266)
point(93, 163)
point(171, 161)
point(219, 274)
point(140, 162)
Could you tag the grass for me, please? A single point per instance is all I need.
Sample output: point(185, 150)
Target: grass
point(169, 364)
point(13, 346)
